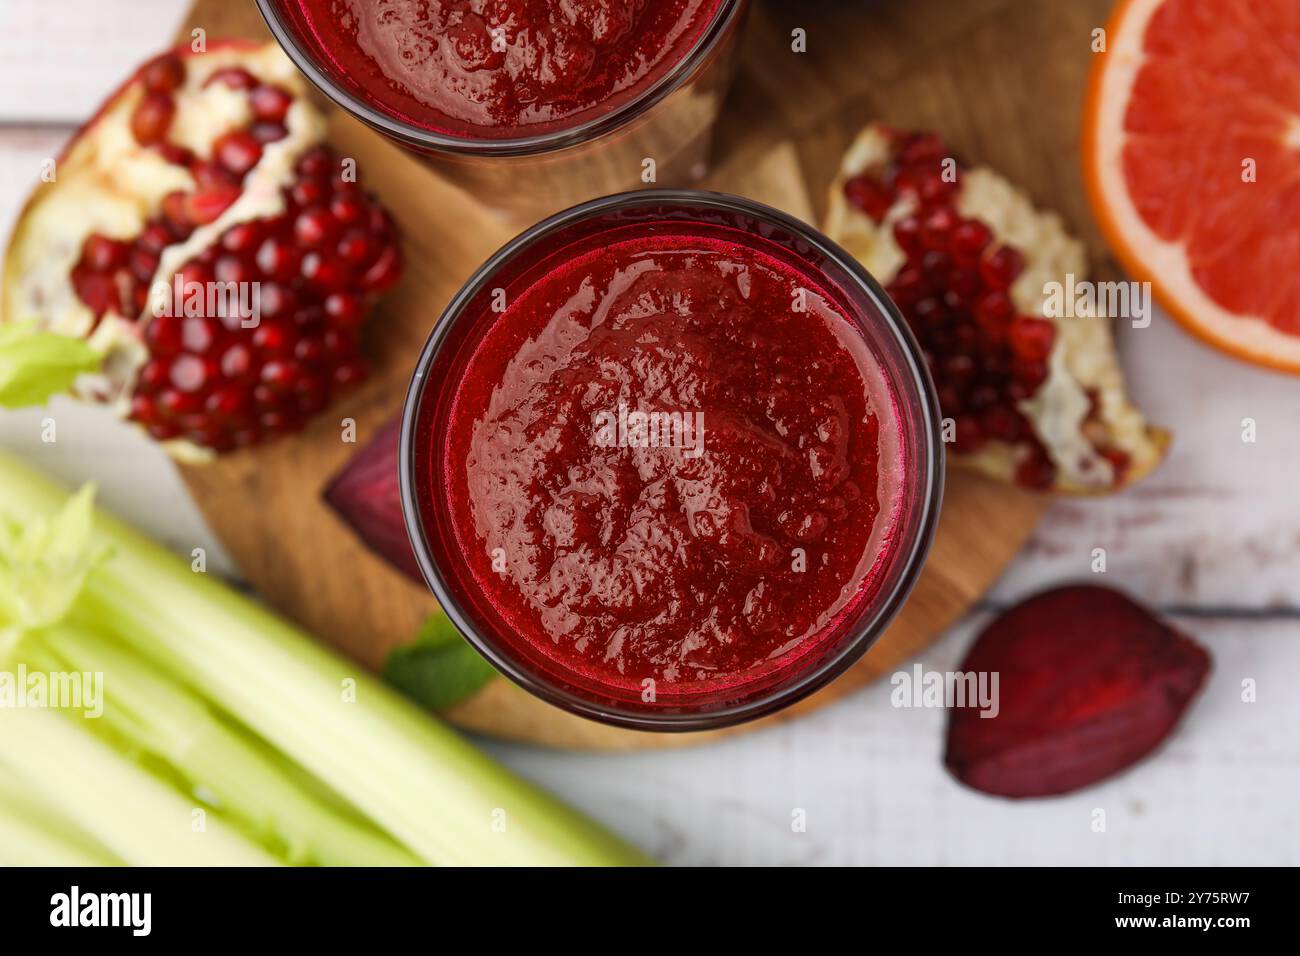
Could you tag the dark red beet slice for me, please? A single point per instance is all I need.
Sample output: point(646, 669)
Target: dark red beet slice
point(1089, 683)
point(366, 495)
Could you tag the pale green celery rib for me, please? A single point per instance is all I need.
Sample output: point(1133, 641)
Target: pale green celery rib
point(132, 813)
point(163, 718)
point(411, 775)
point(32, 833)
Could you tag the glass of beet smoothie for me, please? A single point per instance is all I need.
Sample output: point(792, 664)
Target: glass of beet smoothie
point(670, 460)
point(530, 105)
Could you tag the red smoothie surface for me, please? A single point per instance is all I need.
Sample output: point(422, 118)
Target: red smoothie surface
point(621, 562)
point(500, 69)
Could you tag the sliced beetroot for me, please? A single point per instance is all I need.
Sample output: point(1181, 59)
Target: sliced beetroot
point(1089, 683)
point(366, 495)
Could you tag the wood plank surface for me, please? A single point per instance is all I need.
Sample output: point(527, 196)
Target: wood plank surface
point(1212, 539)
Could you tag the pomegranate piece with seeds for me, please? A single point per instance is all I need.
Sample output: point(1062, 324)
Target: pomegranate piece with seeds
point(1027, 398)
point(1089, 682)
point(224, 273)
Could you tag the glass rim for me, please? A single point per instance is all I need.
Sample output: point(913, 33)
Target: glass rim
point(875, 618)
point(430, 140)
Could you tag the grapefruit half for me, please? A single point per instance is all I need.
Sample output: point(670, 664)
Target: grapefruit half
point(1191, 154)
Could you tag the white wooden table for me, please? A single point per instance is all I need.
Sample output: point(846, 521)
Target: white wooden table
point(1212, 539)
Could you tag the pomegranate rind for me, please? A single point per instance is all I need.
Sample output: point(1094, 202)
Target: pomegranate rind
point(1083, 356)
point(107, 183)
point(1089, 683)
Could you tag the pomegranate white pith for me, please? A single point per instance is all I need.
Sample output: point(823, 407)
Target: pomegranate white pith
point(1036, 400)
point(210, 167)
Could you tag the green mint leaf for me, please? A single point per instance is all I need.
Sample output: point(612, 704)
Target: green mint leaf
point(438, 669)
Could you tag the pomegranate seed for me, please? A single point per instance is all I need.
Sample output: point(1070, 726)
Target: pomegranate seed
point(176, 214)
point(1002, 423)
point(356, 247)
point(1028, 373)
point(384, 272)
point(152, 118)
point(1036, 472)
point(276, 300)
point(324, 272)
point(1031, 339)
point(309, 350)
point(103, 254)
point(195, 271)
point(272, 339)
point(277, 259)
point(969, 239)
point(937, 264)
point(981, 397)
point(233, 269)
point(163, 74)
point(241, 237)
point(907, 233)
point(993, 310)
point(237, 362)
point(349, 374)
point(345, 308)
point(958, 369)
point(270, 103)
point(307, 192)
point(968, 437)
point(198, 334)
point(933, 188)
point(175, 403)
point(921, 148)
point(237, 152)
point(281, 374)
point(936, 229)
point(347, 209)
point(189, 373)
point(163, 431)
point(868, 194)
point(155, 238)
point(208, 204)
point(965, 285)
point(156, 372)
point(235, 77)
point(909, 285)
point(176, 155)
point(143, 409)
point(227, 403)
point(267, 132)
point(143, 264)
point(1001, 269)
point(246, 437)
point(313, 226)
point(339, 343)
point(317, 161)
point(163, 335)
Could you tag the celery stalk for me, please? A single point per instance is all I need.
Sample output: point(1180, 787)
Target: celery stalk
point(165, 719)
point(32, 833)
point(138, 818)
point(412, 776)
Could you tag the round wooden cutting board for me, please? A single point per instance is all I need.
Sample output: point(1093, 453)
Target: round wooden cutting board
point(265, 505)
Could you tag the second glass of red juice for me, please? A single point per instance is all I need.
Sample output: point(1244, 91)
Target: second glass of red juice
point(530, 105)
point(670, 460)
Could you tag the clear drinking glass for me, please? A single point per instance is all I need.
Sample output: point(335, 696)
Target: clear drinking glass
point(669, 122)
point(549, 245)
